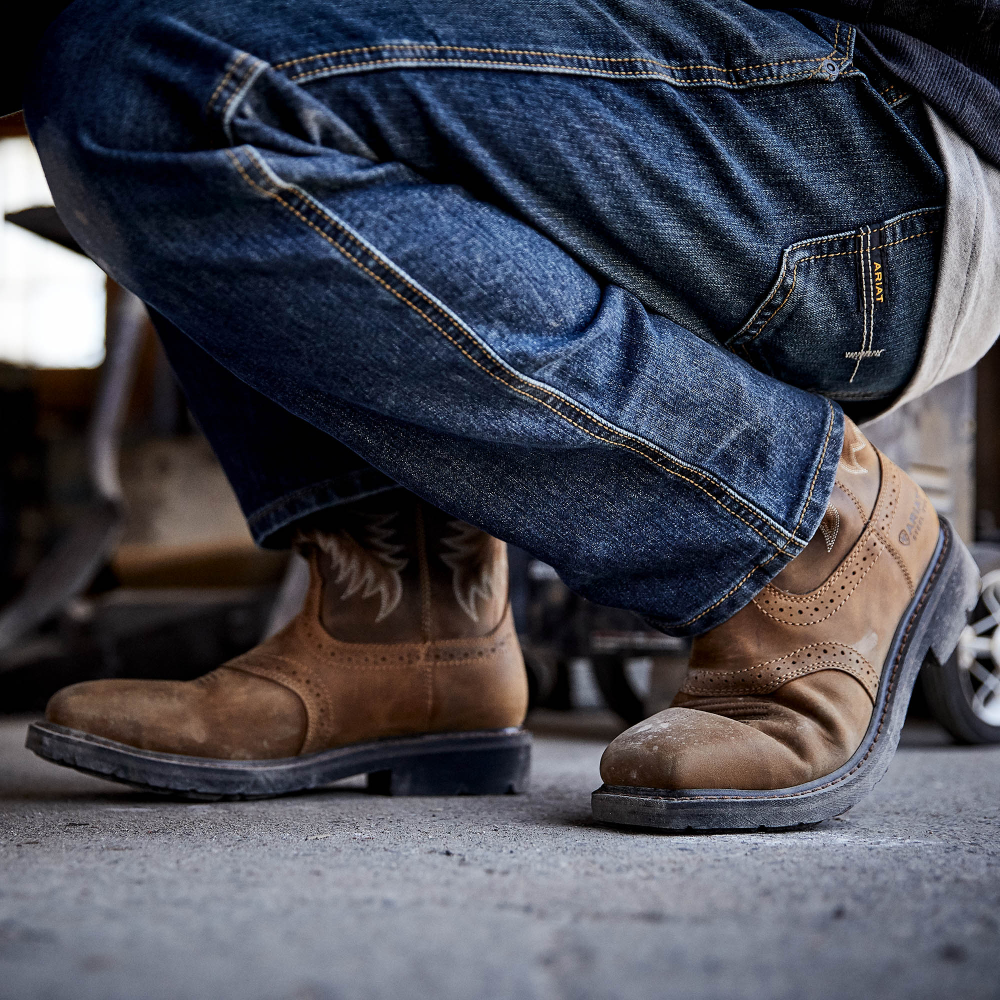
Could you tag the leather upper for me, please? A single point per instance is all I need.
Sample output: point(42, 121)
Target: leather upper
point(425, 643)
point(782, 692)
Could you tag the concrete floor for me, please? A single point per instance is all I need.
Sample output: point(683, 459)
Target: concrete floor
point(106, 893)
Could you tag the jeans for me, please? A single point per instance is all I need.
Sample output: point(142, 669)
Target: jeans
point(600, 278)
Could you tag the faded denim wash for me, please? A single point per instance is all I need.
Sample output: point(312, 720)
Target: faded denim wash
point(597, 277)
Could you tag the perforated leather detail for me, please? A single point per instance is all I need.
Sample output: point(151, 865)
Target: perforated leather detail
point(352, 690)
point(767, 677)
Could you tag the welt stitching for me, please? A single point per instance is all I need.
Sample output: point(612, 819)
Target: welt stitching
point(225, 80)
point(820, 256)
point(493, 374)
point(784, 548)
point(554, 67)
point(827, 239)
point(579, 56)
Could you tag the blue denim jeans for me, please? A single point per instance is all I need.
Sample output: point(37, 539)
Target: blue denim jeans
point(598, 277)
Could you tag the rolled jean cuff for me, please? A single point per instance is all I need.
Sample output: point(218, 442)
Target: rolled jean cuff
point(273, 525)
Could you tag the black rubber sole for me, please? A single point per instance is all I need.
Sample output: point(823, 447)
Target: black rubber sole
point(929, 629)
point(486, 762)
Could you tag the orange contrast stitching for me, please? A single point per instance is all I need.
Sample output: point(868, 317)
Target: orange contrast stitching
point(390, 46)
point(478, 364)
point(578, 70)
point(225, 80)
point(820, 256)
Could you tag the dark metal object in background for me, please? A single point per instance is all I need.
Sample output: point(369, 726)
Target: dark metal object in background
point(44, 221)
point(635, 668)
point(69, 569)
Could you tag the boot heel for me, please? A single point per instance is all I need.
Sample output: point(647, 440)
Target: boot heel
point(487, 771)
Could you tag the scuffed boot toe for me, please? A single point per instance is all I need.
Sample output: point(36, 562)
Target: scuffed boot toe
point(225, 714)
point(683, 748)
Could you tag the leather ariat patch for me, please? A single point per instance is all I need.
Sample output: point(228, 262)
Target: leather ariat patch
point(765, 678)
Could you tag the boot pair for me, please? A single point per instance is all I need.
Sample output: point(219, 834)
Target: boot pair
point(404, 665)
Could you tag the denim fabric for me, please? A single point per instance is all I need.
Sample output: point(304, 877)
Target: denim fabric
point(587, 275)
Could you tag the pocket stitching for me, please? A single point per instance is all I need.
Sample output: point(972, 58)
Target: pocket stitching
point(784, 268)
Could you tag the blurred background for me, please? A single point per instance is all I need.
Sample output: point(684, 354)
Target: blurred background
point(123, 552)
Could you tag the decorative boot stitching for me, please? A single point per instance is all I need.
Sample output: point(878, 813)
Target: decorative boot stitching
point(767, 677)
point(850, 464)
point(830, 533)
point(369, 567)
point(824, 603)
point(475, 570)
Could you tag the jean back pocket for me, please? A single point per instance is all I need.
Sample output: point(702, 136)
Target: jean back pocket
point(847, 313)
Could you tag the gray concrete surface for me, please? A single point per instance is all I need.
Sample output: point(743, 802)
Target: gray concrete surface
point(105, 893)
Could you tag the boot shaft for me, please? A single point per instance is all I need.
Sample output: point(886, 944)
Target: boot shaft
point(396, 569)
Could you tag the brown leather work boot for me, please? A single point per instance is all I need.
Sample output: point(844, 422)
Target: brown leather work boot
point(403, 665)
point(792, 708)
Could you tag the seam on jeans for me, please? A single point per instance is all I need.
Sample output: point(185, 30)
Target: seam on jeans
point(553, 392)
point(579, 56)
point(232, 105)
point(286, 498)
point(899, 220)
point(554, 68)
point(789, 539)
point(223, 83)
point(773, 556)
point(816, 63)
point(864, 307)
point(795, 267)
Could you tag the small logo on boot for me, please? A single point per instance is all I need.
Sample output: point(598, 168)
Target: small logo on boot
point(915, 522)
